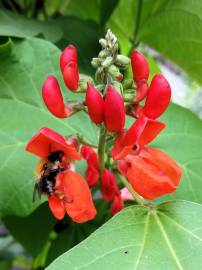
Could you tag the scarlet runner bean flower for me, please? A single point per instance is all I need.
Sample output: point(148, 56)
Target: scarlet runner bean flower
point(95, 104)
point(157, 99)
point(92, 171)
point(110, 191)
point(69, 67)
point(70, 192)
point(53, 99)
point(114, 110)
point(140, 70)
point(151, 172)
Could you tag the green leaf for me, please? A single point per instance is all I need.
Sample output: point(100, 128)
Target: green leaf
point(173, 28)
point(182, 140)
point(139, 238)
point(75, 233)
point(23, 69)
point(15, 25)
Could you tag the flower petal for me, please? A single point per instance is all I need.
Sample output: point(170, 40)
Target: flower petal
point(117, 204)
point(48, 141)
point(153, 173)
point(52, 97)
point(79, 206)
point(114, 110)
point(158, 97)
point(56, 206)
point(109, 187)
point(95, 104)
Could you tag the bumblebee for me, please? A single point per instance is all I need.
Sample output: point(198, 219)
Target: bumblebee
point(46, 172)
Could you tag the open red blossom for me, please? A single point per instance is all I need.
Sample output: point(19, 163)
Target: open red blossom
point(95, 104)
point(69, 67)
point(92, 171)
point(151, 172)
point(140, 67)
point(75, 198)
point(53, 99)
point(114, 110)
point(109, 187)
point(47, 141)
point(158, 97)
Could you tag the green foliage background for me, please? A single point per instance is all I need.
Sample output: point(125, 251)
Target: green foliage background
point(31, 39)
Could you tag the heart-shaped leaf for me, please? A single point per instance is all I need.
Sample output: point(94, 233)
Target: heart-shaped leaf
point(140, 238)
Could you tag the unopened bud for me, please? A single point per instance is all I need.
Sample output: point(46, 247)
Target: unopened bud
point(128, 84)
point(118, 87)
point(103, 42)
point(122, 60)
point(107, 62)
point(129, 96)
point(53, 99)
point(115, 73)
point(104, 53)
point(83, 82)
point(95, 62)
point(114, 110)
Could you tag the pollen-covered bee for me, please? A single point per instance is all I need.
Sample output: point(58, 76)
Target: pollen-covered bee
point(46, 172)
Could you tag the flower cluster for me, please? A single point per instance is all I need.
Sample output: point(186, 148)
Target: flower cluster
point(147, 172)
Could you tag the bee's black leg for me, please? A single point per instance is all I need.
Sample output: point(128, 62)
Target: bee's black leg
point(34, 192)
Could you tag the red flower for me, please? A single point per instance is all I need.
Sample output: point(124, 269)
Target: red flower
point(92, 171)
point(114, 110)
point(75, 198)
point(53, 99)
point(48, 141)
point(151, 172)
point(95, 104)
point(69, 67)
point(117, 204)
point(158, 97)
point(109, 187)
point(140, 67)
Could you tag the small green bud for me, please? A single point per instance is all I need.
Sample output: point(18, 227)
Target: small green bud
point(95, 62)
point(129, 96)
point(122, 60)
point(103, 53)
point(83, 79)
point(118, 87)
point(103, 42)
point(107, 62)
point(115, 73)
point(99, 75)
point(128, 84)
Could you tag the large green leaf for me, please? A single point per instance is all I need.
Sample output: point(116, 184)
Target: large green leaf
point(12, 24)
point(138, 238)
point(182, 140)
point(174, 28)
point(23, 68)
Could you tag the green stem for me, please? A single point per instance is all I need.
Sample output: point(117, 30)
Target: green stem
point(135, 195)
point(101, 147)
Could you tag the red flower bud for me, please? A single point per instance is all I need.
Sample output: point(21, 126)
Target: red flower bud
point(53, 99)
point(140, 67)
point(91, 158)
point(109, 187)
point(158, 97)
point(69, 67)
point(117, 204)
point(142, 90)
point(95, 104)
point(114, 110)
